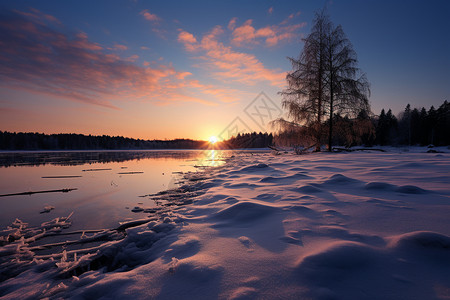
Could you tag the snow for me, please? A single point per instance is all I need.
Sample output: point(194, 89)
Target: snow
point(360, 225)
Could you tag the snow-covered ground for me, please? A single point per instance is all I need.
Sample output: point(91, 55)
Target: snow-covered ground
point(360, 225)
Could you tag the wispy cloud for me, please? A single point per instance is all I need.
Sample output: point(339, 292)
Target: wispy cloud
point(149, 16)
point(120, 47)
point(38, 58)
point(232, 23)
point(272, 35)
point(227, 64)
point(38, 16)
point(290, 17)
point(270, 10)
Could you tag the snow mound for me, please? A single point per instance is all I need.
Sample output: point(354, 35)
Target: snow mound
point(387, 187)
point(413, 266)
point(240, 185)
point(411, 189)
point(254, 168)
point(297, 169)
point(337, 257)
point(379, 186)
point(337, 232)
point(307, 189)
point(284, 179)
point(244, 212)
point(301, 209)
point(422, 240)
point(340, 179)
point(184, 247)
point(268, 197)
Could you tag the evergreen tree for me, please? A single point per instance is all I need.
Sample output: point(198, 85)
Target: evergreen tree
point(424, 127)
point(382, 128)
point(405, 126)
point(415, 126)
point(432, 123)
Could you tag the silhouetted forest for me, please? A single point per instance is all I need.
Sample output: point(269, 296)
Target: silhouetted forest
point(249, 140)
point(40, 141)
point(410, 127)
point(415, 126)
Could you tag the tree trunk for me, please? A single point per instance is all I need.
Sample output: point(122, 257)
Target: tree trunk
point(320, 85)
point(330, 133)
point(319, 119)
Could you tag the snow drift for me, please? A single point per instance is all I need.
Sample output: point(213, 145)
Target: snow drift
point(321, 226)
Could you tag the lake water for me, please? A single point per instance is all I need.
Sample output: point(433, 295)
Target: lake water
point(108, 183)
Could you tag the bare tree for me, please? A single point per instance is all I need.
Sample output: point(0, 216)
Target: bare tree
point(347, 87)
point(304, 98)
point(325, 80)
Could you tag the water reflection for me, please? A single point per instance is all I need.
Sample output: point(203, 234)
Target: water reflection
point(73, 158)
point(108, 183)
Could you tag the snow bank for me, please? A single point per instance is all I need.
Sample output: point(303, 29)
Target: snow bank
point(319, 226)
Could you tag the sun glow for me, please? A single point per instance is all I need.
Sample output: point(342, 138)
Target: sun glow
point(213, 139)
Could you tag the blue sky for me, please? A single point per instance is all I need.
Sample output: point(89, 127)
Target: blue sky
point(168, 69)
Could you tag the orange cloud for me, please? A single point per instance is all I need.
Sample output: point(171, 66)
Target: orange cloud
point(149, 16)
point(244, 33)
point(270, 11)
point(229, 65)
point(187, 39)
point(132, 58)
point(290, 17)
point(247, 35)
point(232, 23)
point(182, 75)
point(120, 47)
point(81, 42)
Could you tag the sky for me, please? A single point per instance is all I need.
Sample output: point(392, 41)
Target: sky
point(196, 69)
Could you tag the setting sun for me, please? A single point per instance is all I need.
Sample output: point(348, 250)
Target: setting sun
point(213, 139)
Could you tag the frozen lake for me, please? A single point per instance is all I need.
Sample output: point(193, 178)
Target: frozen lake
point(108, 183)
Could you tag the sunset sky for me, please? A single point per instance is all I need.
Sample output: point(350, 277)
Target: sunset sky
point(187, 69)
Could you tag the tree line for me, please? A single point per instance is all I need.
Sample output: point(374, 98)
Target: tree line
point(414, 126)
point(71, 141)
point(63, 141)
point(249, 140)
